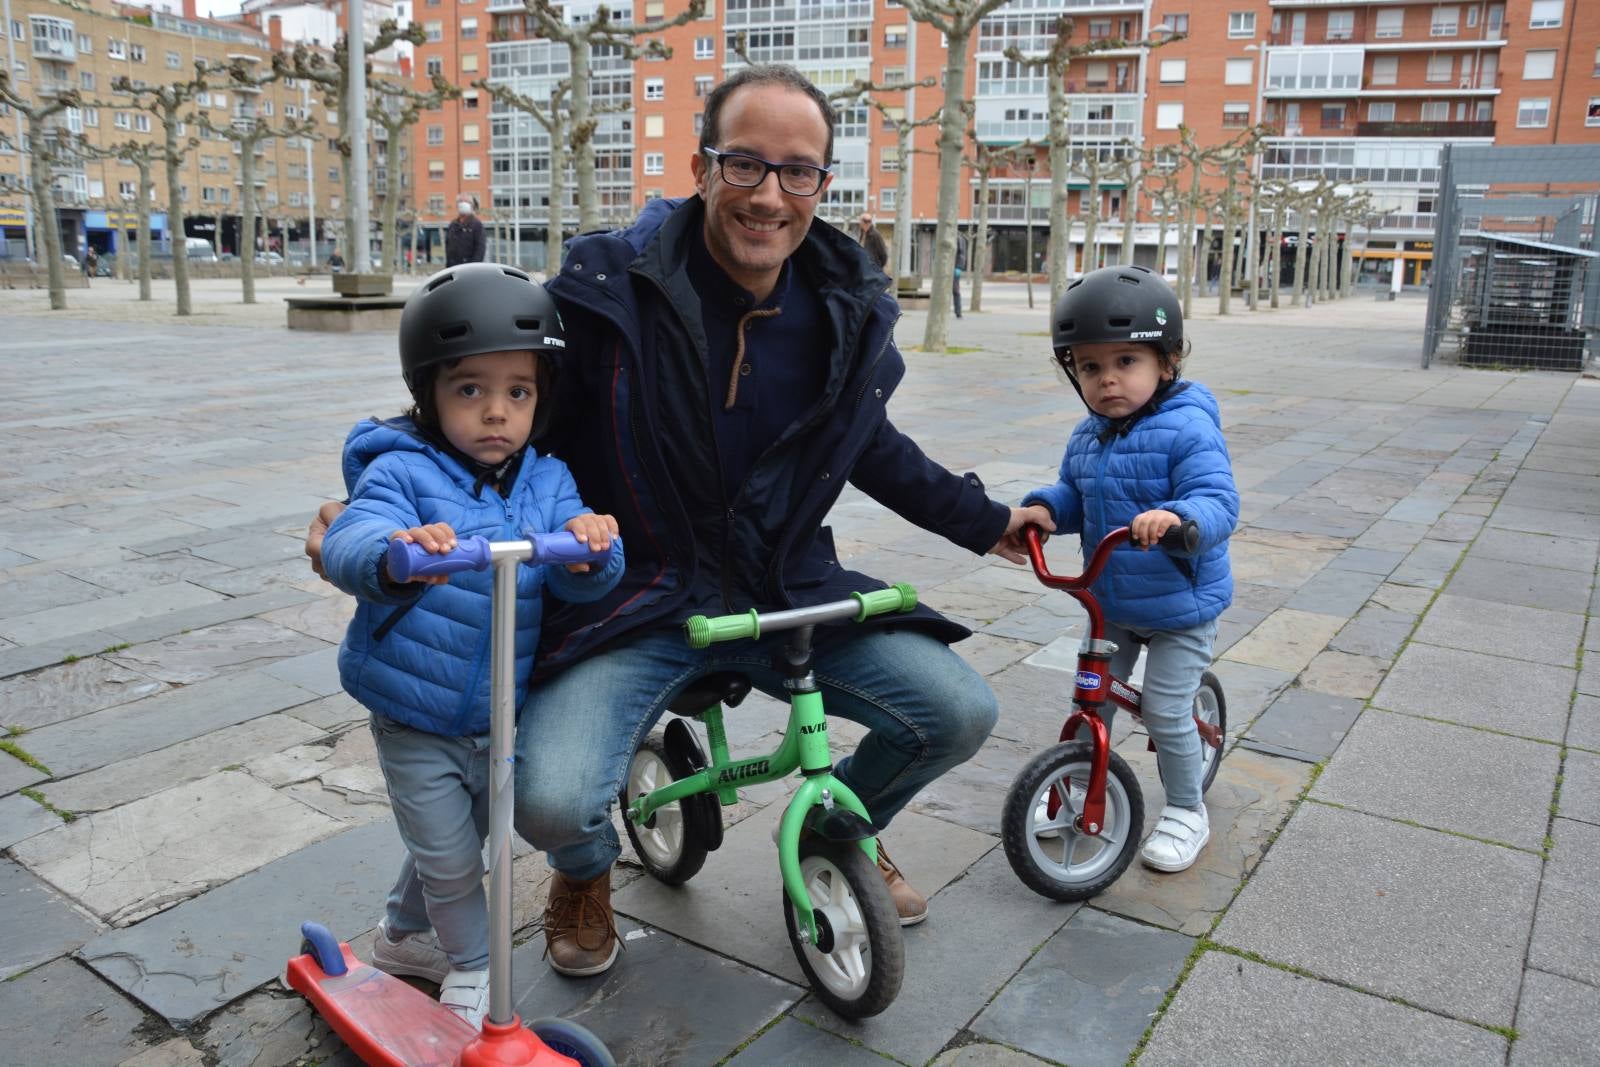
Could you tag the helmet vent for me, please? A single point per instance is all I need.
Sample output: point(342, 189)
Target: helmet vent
point(514, 273)
point(440, 280)
point(1066, 325)
point(531, 325)
point(455, 331)
point(1120, 322)
point(1130, 279)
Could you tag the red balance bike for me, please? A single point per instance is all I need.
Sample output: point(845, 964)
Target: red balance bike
point(1074, 815)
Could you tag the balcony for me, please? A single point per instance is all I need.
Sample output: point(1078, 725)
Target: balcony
point(1442, 130)
point(1078, 87)
point(53, 39)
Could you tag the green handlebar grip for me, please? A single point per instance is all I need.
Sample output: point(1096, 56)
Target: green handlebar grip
point(702, 631)
point(899, 597)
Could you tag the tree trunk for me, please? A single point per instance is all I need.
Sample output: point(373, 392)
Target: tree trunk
point(904, 132)
point(1091, 226)
point(580, 108)
point(1301, 253)
point(1229, 256)
point(146, 187)
point(247, 213)
point(978, 260)
point(556, 218)
point(1059, 244)
point(1161, 238)
point(44, 202)
point(1130, 209)
point(951, 137)
point(1204, 265)
point(177, 238)
point(391, 200)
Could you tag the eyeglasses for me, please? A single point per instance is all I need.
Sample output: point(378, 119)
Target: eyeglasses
point(747, 172)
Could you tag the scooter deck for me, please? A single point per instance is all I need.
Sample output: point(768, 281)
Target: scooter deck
point(384, 1021)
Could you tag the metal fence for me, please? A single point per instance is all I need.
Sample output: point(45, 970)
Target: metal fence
point(1516, 273)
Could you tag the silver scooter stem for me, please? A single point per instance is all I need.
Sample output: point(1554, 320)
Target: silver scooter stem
point(507, 556)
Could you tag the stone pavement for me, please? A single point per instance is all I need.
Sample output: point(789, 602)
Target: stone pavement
point(1406, 826)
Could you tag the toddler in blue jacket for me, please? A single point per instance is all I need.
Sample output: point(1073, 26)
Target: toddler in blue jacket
point(472, 348)
point(1149, 456)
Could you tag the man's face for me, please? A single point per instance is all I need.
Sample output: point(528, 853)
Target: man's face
point(751, 231)
point(866, 222)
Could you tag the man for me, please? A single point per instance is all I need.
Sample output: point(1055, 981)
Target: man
point(728, 369)
point(873, 241)
point(464, 241)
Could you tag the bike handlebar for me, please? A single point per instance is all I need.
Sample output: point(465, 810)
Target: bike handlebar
point(405, 560)
point(701, 631)
point(1184, 537)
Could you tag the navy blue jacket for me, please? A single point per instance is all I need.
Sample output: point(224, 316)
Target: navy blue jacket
point(634, 425)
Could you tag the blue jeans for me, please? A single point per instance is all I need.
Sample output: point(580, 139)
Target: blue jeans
point(1173, 665)
point(926, 709)
point(439, 790)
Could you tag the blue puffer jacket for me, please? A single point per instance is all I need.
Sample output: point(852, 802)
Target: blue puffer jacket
point(431, 671)
point(1172, 459)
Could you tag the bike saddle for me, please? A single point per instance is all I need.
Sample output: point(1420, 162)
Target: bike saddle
point(723, 687)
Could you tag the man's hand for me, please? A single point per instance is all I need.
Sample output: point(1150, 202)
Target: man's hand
point(1012, 546)
point(319, 529)
point(596, 531)
point(1148, 526)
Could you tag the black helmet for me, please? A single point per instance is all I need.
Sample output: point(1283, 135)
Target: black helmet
point(1122, 303)
point(472, 309)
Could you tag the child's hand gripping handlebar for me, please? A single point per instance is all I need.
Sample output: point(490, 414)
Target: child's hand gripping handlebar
point(405, 560)
point(1184, 537)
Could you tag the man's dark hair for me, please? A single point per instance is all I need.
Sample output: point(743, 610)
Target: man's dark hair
point(763, 74)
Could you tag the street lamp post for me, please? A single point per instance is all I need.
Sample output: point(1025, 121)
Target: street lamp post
point(1027, 213)
point(1251, 248)
point(361, 241)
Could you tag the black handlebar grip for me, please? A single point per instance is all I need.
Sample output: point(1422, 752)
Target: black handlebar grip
point(1184, 537)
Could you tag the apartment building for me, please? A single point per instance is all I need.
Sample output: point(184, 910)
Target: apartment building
point(51, 46)
point(1362, 91)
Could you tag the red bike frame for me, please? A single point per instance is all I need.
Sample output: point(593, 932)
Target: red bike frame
point(1094, 684)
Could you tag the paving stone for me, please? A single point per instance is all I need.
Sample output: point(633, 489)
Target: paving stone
point(733, 906)
point(174, 1053)
point(42, 697)
point(1248, 689)
point(15, 774)
point(1287, 640)
point(1516, 546)
point(1314, 517)
point(985, 1055)
point(1589, 676)
point(1235, 1011)
point(1335, 592)
point(1366, 561)
point(107, 613)
point(1475, 689)
point(330, 712)
point(254, 549)
point(1388, 535)
point(1554, 1021)
point(137, 859)
point(1107, 974)
point(21, 658)
point(268, 1030)
point(1520, 583)
point(61, 1013)
point(191, 959)
point(219, 649)
point(40, 925)
point(1306, 721)
point(1246, 804)
point(1038, 623)
point(1407, 600)
point(285, 573)
point(323, 617)
point(187, 761)
point(21, 817)
point(1034, 701)
point(1428, 565)
point(1583, 730)
point(1260, 600)
point(1476, 625)
point(316, 672)
point(973, 793)
point(204, 615)
point(987, 653)
point(1580, 787)
point(125, 576)
point(45, 591)
point(1566, 940)
point(1280, 566)
point(1542, 521)
point(155, 722)
point(969, 947)
point(792, 1043)
point(1342, 674)
point(1377, 770)
point(650, 1009)
point(1437, 920)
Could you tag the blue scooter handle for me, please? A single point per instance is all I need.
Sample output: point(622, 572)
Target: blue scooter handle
point(405, 560)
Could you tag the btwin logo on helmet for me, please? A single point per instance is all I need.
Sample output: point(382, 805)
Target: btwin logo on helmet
point(555, 342)
point(1146, 335)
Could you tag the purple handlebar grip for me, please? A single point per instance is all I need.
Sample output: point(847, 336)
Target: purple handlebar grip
point(406, 561)
point(563, 547)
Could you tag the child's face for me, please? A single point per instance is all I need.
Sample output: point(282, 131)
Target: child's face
point(1118, 377)
point(486, 403)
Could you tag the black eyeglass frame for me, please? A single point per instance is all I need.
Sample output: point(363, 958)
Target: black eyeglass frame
point(720, 158)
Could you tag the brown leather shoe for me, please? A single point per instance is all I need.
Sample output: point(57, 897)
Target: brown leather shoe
point(580, 930)
point(912, 905)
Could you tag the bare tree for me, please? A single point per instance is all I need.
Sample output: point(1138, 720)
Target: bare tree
point(985, 161)
point(1161, 179)
point(580, 38)
point(904, 129)
point(553, 117)
point(48, 141)
point(172, 106)
point(395, 108)
point(142, 156)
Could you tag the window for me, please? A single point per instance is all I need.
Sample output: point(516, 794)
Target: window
point(434, 30)
point(1539, 66)
point(1099, 29)
point(470, 170)
point(469, 29)
point(141, 123)
point(655, 9)
point(436, 135)
point(1097, 75)
point(1435, 110)
point(1238, 72)
point(702, 85)
point(1235, 115)
point(1591, 117)
point(1390, 22)
point(174, 61)
point(1341, 25)
point(435, 67)
point(127, 190)
point(1385, 69)
point(1597, 63)
point(1380, 111)
point(655, 89)
point(1176, 23)
point(699, 122)
point(436, 205)
point(469, 133)
point(1441, 65)
point(469, 63)
point(655, 163)
point(122, 121)
point(116, 48)
point(91, 117)
point(1546, 15)
point(1332, 116)
point(1446, 20)
point(86, 80)
point(85, 43)
point(705, 48)
point(136, 53)
point(655, 126)
point(1241, 24)
point(333, 174)
point(889, 158)
point(1173, 71)
point(896, 75)
point(1169, 116)
point(436, 169)
point(1534, 112)
point(894, 36)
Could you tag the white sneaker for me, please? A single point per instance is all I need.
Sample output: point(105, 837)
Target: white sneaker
point(1176, 841)
point(467, 994)
point(418, 955)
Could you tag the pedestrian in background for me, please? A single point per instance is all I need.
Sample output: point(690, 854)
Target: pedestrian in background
point(464, 241)
point(873, 242)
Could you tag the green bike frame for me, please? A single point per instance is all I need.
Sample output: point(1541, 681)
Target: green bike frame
point(805, 741)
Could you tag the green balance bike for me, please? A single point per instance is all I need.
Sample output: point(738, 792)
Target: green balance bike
point(842, 922)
